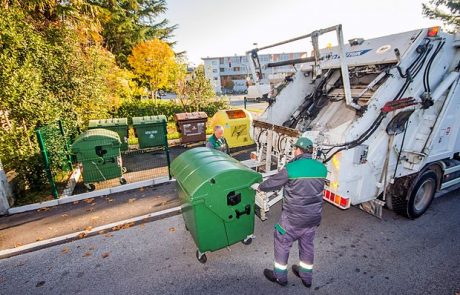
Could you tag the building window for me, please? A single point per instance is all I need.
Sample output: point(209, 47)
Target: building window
point(214, 70)
point(222, 70)
point(236, 69)
point(215, 78)
point(221, 60)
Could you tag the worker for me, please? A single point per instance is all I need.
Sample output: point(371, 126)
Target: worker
point(217, 140)
point(303, 181)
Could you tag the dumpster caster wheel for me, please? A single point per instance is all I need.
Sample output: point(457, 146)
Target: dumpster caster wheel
point(247, 241)
point(201, 257)
point(91, 187)
point(124, 169)
point(123, 181)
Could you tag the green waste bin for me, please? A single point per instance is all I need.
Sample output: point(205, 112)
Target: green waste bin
point(217, 201)
point(150, 130)
point(98, 150)
point(118, 125)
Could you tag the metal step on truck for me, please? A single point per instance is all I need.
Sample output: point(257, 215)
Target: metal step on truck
point(383, 114)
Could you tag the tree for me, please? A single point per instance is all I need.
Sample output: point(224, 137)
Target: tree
point(195, 90)
point(154, 63)
point(448, 11)
point(125, 23)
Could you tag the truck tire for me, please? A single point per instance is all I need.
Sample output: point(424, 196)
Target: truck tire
point(413, 204)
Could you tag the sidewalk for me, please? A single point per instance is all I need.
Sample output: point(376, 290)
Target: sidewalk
point(42, 224)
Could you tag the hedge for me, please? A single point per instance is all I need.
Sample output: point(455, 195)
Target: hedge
point(164, 107)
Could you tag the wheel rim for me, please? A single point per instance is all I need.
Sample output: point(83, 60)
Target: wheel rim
point(423, 195)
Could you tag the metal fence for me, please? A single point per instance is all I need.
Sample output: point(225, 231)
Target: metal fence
point(66, 174)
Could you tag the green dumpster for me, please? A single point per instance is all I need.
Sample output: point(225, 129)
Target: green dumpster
point(118, 125)
point(98, 150)
point(217, 201)
point(150, 130)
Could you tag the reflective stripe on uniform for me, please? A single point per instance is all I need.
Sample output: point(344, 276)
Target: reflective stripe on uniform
point(280, 266)
point(305, 266)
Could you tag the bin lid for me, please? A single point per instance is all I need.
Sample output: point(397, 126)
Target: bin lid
point(93, 137)
point(149, 120)
point(108, 122)
point(235, 114)
point(197, 169)
point(190, 116)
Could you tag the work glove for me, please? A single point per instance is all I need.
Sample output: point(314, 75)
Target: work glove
point(255, 187)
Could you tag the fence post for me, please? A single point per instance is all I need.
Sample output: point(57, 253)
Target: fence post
point(46, 161)
point(165, 131)
point(66, 145)
point(244, 102)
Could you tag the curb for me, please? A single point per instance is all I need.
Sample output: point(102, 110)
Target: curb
point(93, 194)
point(115, 226)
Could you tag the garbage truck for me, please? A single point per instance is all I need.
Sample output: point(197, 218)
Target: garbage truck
point(382, 114)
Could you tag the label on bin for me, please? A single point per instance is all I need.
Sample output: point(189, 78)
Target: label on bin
point(151, 133)
point(193, 129)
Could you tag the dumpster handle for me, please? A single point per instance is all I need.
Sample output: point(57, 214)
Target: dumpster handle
point(247, 210)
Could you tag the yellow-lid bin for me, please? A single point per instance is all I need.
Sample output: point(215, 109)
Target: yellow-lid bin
point(237, 126)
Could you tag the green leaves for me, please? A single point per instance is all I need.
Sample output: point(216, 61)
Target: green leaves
point(448, 11)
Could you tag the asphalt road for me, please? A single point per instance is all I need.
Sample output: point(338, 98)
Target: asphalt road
point(256, 108)
point(355, 254)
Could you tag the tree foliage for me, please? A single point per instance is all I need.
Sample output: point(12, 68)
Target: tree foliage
point(56, 63)
point(154, 63)
point(448, 11)
point(195, 90)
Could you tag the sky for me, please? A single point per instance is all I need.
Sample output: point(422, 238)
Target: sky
point(228, 27)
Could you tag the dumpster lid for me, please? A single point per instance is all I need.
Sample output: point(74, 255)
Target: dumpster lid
point(149, 120)
point(190, 116)
point(108, 122)
point(103, 136)
point(199, 167)
point(235, 114)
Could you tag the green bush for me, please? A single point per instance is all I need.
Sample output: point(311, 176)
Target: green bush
point(168, 108)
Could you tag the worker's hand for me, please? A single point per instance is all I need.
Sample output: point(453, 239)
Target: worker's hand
point(255, 187)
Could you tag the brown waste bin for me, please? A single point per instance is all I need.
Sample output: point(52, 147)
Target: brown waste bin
point(192, 126)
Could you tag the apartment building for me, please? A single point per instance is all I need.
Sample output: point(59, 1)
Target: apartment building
point(228, 74)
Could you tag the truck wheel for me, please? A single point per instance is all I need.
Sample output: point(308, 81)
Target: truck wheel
point(201, 257)
point(419, 199)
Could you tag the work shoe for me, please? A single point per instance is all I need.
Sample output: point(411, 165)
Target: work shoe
point(268, 273)
point(295, 270)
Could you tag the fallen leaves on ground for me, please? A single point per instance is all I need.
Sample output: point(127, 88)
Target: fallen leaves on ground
point(131, 200)
point(109, 200)
point(108, 235)
point(39, 239)
point(76, 202)
point(172, 229)
point(87, 254)
point(102, 232)
point(105, 255)
point(81, 235)
point(43, 209)
point(88, 228)
point(141, 189)
point(142, 225)
point(65, 250)
point(64, 215)
point(123, 226)
point(17, 245)
point(90, 209)
point(89, 201)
